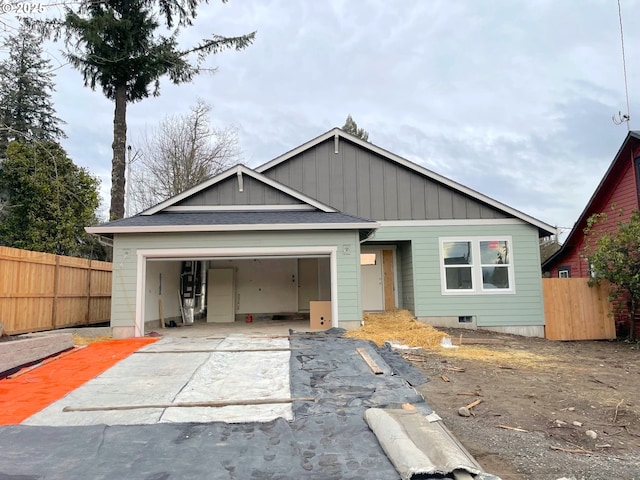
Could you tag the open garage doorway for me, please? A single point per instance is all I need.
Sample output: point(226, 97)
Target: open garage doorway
point(233, 291)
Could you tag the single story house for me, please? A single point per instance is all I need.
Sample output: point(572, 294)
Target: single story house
point(338, 220)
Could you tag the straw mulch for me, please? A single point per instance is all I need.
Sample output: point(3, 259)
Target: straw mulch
point(80, 340)
point(497, 356)
point(400, 327)
point(397, 326)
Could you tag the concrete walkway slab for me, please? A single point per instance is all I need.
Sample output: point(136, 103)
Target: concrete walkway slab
point(177, 370)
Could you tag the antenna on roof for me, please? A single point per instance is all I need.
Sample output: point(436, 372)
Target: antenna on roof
point(623, 118)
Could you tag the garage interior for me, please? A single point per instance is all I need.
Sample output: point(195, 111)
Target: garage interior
point(236, 290)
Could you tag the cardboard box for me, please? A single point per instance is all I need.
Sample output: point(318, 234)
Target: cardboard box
point(320, 315)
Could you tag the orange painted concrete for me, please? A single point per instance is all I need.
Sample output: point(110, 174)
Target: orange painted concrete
point(29, 393)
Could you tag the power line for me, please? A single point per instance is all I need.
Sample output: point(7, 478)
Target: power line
point(623, 118)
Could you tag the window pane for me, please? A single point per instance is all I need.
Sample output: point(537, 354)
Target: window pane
point(494, 252)
point(458, 278)
point(456, 253)
point(367, 259)
point(495, 277)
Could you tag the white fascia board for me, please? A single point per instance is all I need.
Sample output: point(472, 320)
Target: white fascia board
point(411, 166)
point(292, 153)
point(239, 170)
point(230, 228)
point(239, 208)
point(193, 190)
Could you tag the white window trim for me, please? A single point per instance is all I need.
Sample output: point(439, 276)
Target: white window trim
point(476, 267)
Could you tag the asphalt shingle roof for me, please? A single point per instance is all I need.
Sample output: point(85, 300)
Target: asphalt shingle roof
point(279, 217)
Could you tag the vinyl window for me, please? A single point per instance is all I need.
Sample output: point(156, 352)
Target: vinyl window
point(476, 265)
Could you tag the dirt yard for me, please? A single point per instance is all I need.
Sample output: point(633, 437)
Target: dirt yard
point(540, 401)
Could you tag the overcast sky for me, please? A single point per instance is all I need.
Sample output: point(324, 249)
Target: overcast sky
point(511, 98)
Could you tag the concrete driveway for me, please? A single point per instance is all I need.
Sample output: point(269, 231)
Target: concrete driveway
point(142, 388)
point(300, 401)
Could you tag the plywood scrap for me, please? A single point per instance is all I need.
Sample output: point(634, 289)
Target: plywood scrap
point(375, 368)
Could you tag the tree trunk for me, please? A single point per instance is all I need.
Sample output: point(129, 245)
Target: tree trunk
point(119, 147)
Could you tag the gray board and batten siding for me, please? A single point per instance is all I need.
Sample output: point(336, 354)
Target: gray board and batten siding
point(227, 192)
point(362, 183)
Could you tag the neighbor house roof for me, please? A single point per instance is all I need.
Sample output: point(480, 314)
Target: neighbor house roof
point(336, 133)
point(608, 177)
point(165, 222)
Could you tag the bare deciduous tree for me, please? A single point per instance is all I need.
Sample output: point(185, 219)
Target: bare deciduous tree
point(183, 151)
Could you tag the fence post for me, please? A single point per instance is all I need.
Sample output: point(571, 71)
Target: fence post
point(56, 283)
point(88, 314)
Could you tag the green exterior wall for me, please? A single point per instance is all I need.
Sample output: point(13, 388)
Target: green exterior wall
point(405, 277)
point(522, 308)
point(123, 302)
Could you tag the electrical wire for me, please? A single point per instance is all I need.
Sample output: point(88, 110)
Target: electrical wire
point(624, 68)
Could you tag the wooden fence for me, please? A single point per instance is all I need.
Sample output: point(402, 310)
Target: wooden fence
point(40, 291)
point(575, 311)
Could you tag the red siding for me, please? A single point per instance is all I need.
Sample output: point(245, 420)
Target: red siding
point(620, 190)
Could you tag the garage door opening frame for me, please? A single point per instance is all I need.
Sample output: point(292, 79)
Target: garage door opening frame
point(244, 252)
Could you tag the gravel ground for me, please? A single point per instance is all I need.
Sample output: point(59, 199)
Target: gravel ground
point(553, 391)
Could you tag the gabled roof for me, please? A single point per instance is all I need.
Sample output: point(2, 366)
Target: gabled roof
point(238, 170)
point(608, 177)
point(337, 133)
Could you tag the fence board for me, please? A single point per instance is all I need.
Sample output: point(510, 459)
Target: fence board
point(575, 311)
point(40, 291)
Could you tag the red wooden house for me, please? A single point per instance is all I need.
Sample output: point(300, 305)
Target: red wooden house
point(617, 195)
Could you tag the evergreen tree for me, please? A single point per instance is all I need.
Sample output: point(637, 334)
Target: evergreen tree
point(51, 200)
point(26, 83)
point(118, 46)
point(350, 126)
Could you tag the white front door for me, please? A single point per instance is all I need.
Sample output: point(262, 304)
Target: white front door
point(371, 279)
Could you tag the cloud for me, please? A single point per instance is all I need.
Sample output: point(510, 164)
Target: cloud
point(511, 99)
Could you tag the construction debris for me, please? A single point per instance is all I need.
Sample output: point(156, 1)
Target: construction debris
point(369, 361)
point(473, 404)
point(516, 429)
point(464, 412)
point(575, 450)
